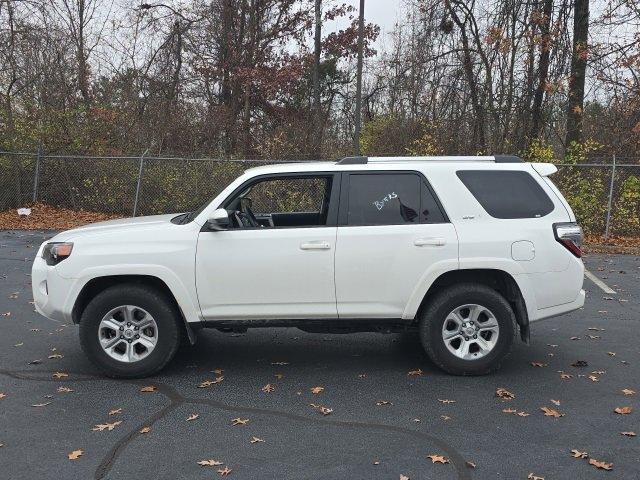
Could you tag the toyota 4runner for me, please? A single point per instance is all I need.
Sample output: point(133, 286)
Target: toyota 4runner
point(465, 251)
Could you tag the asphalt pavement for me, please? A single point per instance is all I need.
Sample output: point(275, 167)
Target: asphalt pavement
point(386, 407)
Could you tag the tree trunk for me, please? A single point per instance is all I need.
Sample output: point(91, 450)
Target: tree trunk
point(356, 136)
point(543, 70)
point(316, 133)
point(578, 69)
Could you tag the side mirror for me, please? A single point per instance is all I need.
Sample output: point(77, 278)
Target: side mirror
point(219, 220)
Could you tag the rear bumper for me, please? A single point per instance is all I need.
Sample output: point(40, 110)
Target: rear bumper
point(560, 309)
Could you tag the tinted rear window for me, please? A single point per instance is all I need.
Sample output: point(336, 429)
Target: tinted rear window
point(507, 194)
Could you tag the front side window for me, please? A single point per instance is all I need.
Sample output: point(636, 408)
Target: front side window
point(281, 201)
point(390, 199)
point(507, 194)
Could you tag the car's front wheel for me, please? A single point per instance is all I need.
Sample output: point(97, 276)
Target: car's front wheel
point(468, 329)
point(130, 331)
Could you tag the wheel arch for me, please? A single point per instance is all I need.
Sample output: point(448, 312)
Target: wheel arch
point(499, 280)
point(98, 284)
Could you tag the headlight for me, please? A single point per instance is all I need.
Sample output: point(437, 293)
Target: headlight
point(54, 252)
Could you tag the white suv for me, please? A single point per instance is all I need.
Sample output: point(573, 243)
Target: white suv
point(465, 251)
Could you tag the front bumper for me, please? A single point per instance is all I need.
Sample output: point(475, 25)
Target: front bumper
point(51, 291)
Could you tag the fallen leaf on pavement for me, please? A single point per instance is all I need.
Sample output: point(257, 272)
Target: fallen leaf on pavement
point(193, 416)
point(64, 390)
point(106, 426)
point(317, 390)
point(600, 465)
point(75, 454)
point(60, 375)
point(41, 404)
point(322, 409)
point(531, 476)
point(268, 388)
point(622, 410)
point(446, 401)
point(239, 421)
point(256, 440)
point(144, 430)
point(578, 454)
point(208, 383)
point(3, 395)
point(627, 391)
point(470, 464)
point(148, 389)
point(550, 412)
point(209, 463)
point(628, 434)
point(415, 373)
point(381, 403)
point(538, 364)
point(555, 402)
point(404, 477)
point(224, 472)
point(438, 458)
point(509, 410)
point(504, 394)
point(115, 411)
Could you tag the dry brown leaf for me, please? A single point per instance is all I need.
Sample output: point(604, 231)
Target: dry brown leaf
point(239, 421)
point(209, 463)
point(55, 355)
point(623, 410)
point(225, 471)
point(504, 394)
point(550, 412)
point(578, 454)
point(470, 464)
point(316, 390)
point(256, 440)
point(60, 375)
point(627, 391)
point(532, 476)
point(438, 458)
point(509, 410)
point(593, 378)
point(41, 404)
point(148, 389)
point(75, 454)
point(381, 403)
point(628, 434)
point(600, 465)
point(268, 388)
point(64, 390)
point(144, 430)
point(2, 395)
point(555, 402)
point(404, 477)
point(192, 417)
point(538, 364)
point(115, 411)
point(565, 376)
point(322, 409)
point(611, 354)
point(523, 414)
point(106, 426)
point(445, 417)
point(446, 401)
point(415, 373)
point(208, 383)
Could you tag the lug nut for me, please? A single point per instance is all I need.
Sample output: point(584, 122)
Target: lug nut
point(137, 336)
point(121, 336)
point(475, 336)
point(466, 338)
point(121, 328)
point(136, 328)
point(129, 340)
point(128, 324)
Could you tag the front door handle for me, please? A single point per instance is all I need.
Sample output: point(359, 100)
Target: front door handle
point(431, 242)
point(315, 246)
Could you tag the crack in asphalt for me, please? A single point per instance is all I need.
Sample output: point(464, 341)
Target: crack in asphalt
point(176, 399)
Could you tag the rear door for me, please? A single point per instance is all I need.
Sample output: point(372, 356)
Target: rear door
point(391, 229)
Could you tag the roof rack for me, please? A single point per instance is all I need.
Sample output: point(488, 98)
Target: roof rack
point(455, 158)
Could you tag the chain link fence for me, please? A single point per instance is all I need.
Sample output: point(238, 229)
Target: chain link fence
point(604, 193)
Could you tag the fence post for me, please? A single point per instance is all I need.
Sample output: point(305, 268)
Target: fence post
point(135, 202)
point(36, 173)
point(613, 174)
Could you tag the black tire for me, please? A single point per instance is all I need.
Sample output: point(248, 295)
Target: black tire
point(444, 302)
point(147, 298)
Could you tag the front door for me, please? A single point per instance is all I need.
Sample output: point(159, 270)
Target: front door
point(276, 259)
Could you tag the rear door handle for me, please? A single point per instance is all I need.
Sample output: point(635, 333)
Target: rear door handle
point(431, 242)
point(315, 246)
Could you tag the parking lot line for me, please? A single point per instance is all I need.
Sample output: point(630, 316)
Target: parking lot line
point(603, 286)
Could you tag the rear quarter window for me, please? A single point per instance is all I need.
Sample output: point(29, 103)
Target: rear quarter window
point(507, 193)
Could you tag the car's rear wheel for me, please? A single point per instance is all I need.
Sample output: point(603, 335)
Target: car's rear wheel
point(468, 329)
point(130, 331)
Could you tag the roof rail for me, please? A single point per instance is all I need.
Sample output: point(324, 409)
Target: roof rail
point(453, 158)
point(352, 161)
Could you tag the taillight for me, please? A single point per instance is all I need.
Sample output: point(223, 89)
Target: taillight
point(569, 234)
